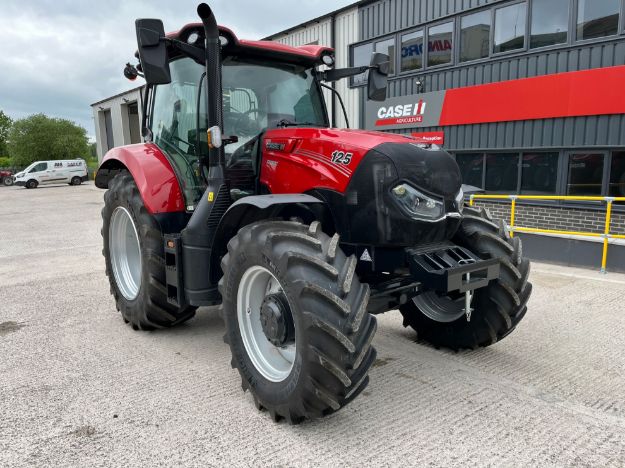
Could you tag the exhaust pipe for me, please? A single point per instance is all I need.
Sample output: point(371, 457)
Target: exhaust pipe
point(197, 237)
point(214, 98)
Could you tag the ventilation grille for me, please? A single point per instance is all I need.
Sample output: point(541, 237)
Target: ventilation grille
point(221, 204)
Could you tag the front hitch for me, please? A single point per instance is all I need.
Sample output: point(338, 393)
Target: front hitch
point(448, 267)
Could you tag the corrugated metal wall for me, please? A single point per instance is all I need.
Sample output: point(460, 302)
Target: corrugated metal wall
point(346, 33)
point(389, 16)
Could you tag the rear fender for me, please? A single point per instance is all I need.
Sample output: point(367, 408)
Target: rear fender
point(252, 209)
point(152, 172)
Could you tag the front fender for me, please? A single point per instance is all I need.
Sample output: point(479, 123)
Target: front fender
point(260, 207)
point(152, 172)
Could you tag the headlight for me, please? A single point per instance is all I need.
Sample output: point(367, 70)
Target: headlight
point(417, 204)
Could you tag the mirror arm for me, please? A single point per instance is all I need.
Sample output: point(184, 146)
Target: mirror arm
point(336, 74)
point(195, 53)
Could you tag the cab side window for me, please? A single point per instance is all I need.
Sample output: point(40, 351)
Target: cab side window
point(39, 167)
point(173, 124)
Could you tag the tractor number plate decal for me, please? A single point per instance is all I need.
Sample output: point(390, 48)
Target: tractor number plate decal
point(340, 157)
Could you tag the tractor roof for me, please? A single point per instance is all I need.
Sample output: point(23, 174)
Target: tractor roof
point(308, 54)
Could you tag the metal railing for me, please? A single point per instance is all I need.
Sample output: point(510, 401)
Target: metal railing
point(606, 236)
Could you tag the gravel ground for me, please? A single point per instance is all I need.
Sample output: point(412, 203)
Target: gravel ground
point(78, 387)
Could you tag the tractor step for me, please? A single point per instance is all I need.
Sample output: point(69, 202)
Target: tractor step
point(448, 267)
point(173, 270)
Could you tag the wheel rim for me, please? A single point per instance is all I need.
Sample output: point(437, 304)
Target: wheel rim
point(125, 253)
point(273, 362)
point(440, 308)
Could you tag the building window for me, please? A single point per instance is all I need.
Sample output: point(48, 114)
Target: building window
point(510, 24)
point(550, 23)
point(471, 168)
point(585, 174)
point(617, 175)
point(362, 57)
point(539, 173)
point(502, 172)
point(386, 47)
point(440, 44)
point(412, 51)
point(597, 18)
point(475, 36)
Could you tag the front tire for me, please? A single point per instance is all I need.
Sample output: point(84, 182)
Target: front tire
point(135, 259)
point(498, 307)
point(32, 184)
point(324, 364)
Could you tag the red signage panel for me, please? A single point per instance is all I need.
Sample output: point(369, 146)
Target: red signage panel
point(590, 92)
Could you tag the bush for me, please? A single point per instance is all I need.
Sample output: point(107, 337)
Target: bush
point(5, 163)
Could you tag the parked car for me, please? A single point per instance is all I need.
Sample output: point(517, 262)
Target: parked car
point(73, 172)
point(6, 178)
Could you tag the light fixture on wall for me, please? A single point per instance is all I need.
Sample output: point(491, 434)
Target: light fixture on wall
point(101, 108)
point(125, 100)
point(420, 84)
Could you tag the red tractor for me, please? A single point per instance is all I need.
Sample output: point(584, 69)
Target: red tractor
point(243, 196)
point(6, 178)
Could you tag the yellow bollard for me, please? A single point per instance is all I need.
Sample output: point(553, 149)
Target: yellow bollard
point(606, 238)
point(512, 214)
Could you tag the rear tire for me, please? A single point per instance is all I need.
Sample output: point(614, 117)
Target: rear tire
point(76, 181)
point(8, 181)
point(498, 307)
point(331, 328)
point(145, 308)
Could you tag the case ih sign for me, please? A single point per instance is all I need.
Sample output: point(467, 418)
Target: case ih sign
point(419, 110)
point(590, 92)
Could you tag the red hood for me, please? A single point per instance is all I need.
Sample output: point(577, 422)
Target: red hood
point(297, 160)
point(361, 139)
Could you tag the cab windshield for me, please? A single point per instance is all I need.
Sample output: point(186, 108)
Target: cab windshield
point(257, 95)
point(261, 95)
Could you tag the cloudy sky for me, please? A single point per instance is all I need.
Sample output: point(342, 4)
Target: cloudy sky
point(59, 56)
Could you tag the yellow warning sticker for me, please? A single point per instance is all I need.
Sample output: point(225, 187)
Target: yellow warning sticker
point(211, 196)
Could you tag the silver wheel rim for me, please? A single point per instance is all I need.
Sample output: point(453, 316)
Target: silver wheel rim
point(440, 308)
point(274, 363)
point(125, 253)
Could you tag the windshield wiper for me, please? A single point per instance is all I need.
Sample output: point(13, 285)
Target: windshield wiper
point(289, 123)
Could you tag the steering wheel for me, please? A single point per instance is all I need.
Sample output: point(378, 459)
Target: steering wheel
point(244, 126)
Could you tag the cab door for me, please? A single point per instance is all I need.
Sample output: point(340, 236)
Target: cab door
point(41, 173)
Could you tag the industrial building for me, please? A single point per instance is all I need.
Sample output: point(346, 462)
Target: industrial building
point(526, 94)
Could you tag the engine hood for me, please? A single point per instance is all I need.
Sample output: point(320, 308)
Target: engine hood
point(431, 170)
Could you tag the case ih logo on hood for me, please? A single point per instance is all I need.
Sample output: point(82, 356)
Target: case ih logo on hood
point(401, 114)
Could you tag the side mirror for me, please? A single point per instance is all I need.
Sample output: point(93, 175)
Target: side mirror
point(378, 77)
point(153, 51)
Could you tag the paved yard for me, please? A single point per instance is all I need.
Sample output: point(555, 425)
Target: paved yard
point(78, 387)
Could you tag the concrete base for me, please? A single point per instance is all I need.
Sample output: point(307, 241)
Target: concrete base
point(572, 252)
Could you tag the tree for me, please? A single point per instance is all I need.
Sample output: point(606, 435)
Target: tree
point(5, 126)
point(39, 137)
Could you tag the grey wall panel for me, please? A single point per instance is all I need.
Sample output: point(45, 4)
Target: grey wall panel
point(574, 132)
point(388, 16)
point(511, 68)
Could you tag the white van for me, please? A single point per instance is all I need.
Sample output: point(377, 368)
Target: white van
point(73, 172)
